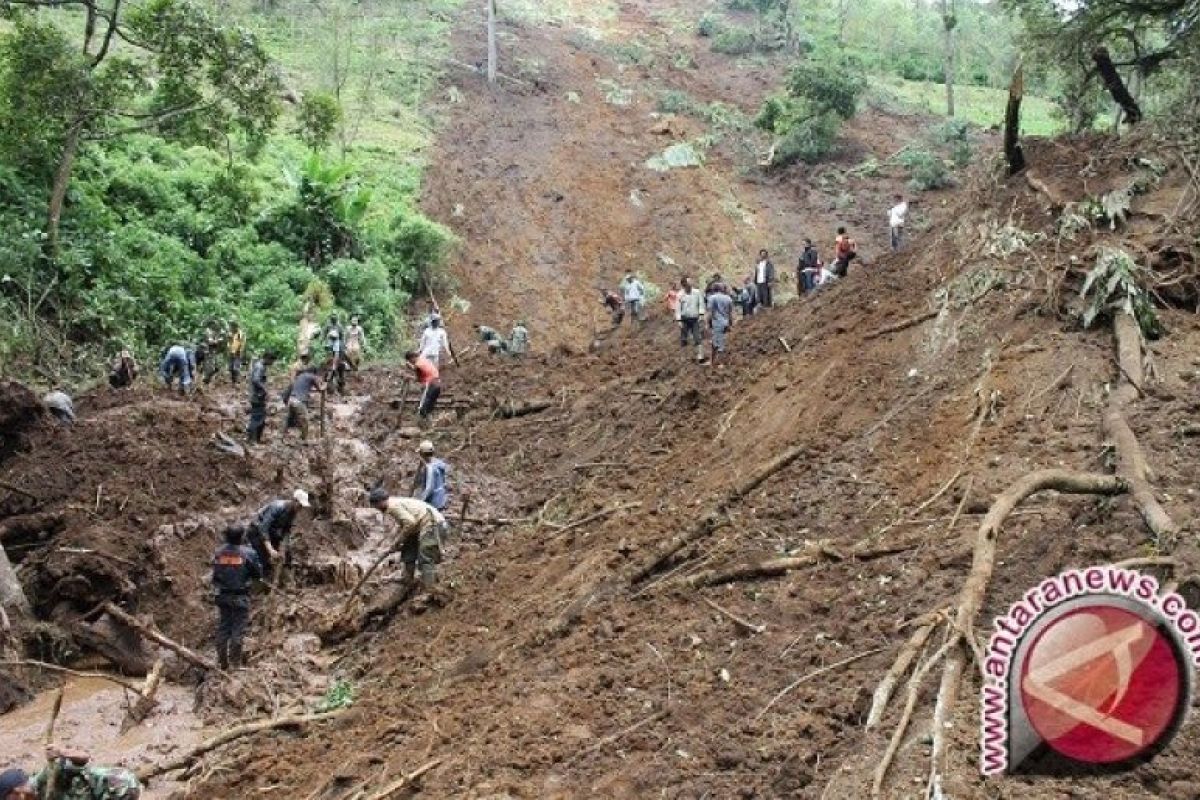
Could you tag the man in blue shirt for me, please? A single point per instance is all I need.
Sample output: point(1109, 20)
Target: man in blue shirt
point(429, 484)
point(720, 318)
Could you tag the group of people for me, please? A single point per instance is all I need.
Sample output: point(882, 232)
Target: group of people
point(256, 551)
point(185, 362)
point(517, 343)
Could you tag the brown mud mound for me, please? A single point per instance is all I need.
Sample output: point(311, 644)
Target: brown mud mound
point(20, 410)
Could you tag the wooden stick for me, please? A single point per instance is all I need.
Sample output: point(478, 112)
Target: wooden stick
point(55, 767)
point(785, 344)
point(404, 780)
point(130, 685)
point(153, 634)
point(816, 673)
point(146, 702)
point(605, 512)
point(744, 624)
point(774, 567)
point(232, 734)
point(613, 737)
point(19, 490)
point(926, 504)
point(901, 325)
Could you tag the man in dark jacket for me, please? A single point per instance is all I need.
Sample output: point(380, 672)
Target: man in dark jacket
point(272, 527)
point(808, 268)
point(295, 398)
point(764, 279)
point(234, 568)
point(258, 397)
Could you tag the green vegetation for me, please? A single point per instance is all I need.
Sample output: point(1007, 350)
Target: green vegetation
point(979, 105)
point(146, 190)
point(819, 95)
point(1115, 285)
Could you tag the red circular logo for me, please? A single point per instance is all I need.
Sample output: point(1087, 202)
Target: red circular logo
point(1102, 684)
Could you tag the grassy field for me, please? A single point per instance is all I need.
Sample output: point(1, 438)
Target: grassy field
point(977, 104)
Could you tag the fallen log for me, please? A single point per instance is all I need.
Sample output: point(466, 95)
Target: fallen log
point(820, 551)
point(232, 734)
point(1132, 466)
point(153, 634)
point(604, 512)
point(520, 408)
point(709, 522)
point(1116, 86)
point(903, 324)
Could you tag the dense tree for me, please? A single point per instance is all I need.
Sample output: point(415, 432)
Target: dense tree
point(164, 65)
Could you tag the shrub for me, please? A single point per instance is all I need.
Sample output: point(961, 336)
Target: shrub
point(318, 119)
point(827, 85)
point(734, 41)
point(808, 140)
point(709, 25)
point(926, 170)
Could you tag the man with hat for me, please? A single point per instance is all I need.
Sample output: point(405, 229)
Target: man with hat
point(72, 778)
point(429, 484)
point(271, 529)
point(234, 568)
point(421, 529)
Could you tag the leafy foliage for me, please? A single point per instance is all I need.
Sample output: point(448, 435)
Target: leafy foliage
point(806, 119)
point(339, 695)
point(927, 171)
point(318, 119)
point(1114, 285)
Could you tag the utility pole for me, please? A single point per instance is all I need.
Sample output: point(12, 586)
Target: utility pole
point(491, 35)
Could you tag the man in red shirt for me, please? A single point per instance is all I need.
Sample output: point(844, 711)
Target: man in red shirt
point(427, 375)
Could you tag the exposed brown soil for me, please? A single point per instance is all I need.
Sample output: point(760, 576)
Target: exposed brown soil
point(544, 674)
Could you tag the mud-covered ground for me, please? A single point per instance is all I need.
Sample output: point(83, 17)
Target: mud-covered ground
point(546, 672)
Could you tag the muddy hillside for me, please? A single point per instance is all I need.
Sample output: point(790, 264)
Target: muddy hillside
point(764, 579)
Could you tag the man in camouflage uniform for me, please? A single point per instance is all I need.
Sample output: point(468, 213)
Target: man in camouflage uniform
point(72, 779)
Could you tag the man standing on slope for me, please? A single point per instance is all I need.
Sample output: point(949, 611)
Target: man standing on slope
point(844, 251)
point(691, 311)
point(896, 219)
point(764, 279)
point(720, 319)
point(296, 397)
point(421, 529)
point(426, 373)
point(235, 348)
point(635, 298)
point(235, 567)
point(518, 342)
point(808, 269)
point(434, 340)
point(258, 397)
point(429, 483)
point(356, 343)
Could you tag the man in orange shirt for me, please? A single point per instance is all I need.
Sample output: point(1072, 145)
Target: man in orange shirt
point(426, 373)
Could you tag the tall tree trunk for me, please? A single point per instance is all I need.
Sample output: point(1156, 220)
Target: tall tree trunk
point(11, 594)
point(491, 41)
point(1012, 123)
point(1116, 87)
point(62, 179)
point(949, 23)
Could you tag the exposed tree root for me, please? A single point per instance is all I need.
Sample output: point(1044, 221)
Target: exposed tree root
point(153, 634)
point(903, 324)
point(904, 659)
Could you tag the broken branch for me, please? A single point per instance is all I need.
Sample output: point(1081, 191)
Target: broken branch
point(153, 634)
point(816, 673)
point(742, 623)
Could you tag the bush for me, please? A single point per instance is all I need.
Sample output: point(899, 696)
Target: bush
point(808, 140)
point(926, 171)
point(709, 25)
point(734, 41)
point(318, 119)
point(827, 85)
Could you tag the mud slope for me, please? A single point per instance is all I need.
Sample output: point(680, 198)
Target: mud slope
point(549, 675)
point(546, 184)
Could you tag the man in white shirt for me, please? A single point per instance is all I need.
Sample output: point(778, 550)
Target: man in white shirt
point(434, 340)
point(635, 297)
point(691, 311)
point(896, 221)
